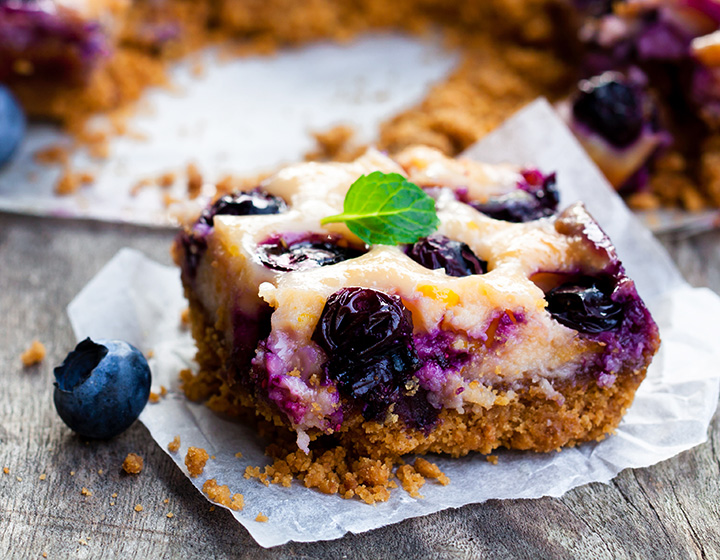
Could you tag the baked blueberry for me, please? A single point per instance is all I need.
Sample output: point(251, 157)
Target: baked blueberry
point(367, 337)
point(612, 107)
point(536, 197)
point(586, 305)
point(102, 387)
point(438, 251)
point(303, 253)
point(248, 203)
point(12, 124)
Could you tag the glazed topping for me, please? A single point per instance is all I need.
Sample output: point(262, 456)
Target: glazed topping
point(536, 197)
point(438, 251)
point(243, 204)
point(367, 336)
point(586, 305)
point(304, 253)
point(612, 107)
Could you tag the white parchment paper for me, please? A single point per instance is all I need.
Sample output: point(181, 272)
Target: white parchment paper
point(138, 300)
point(241, 116)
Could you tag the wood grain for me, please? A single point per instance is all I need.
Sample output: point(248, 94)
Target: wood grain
point(670, 510)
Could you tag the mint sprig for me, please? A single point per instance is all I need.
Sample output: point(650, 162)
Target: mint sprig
point(387, 209)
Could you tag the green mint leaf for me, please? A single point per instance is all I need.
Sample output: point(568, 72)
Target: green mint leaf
point(387, 209)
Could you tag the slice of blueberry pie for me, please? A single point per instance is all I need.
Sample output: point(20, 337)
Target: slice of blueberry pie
point(508, 325)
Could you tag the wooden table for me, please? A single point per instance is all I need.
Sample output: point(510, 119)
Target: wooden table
point(671, 510)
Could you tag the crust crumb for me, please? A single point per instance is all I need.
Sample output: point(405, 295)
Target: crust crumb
point(169, 515)
point(261, 517)
point(195, 460)
point(85, 492)
point(431, 470)
point(174, 445)
point(411, 480)
point(133, 464)
point(43, 476)
point(34, 354)
point(138, 508)
point(154, 398)
point(492, 459)
point(221, 495)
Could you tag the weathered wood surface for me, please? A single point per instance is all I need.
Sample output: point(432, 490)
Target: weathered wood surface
point(671, 510)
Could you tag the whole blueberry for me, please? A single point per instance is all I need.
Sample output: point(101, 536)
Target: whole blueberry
point(102, 387)
point(367, 336)
point(586, 305)
point(612, 107)
point(439, 251)
point(12, 124)
point(305, 253)
point(535, 197)
point(249, 203)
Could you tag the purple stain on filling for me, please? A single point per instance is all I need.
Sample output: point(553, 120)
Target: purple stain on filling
point(439, 358)
point(248, 331)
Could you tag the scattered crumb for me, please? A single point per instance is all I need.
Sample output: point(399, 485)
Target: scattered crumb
point(195, 460)
point(185, 317)
point(261, 517)
point(83, 542)
point(169, 515)
point(335, 144)
point(19, 479)
point(221, 495)
point(194, 181)
point(431, 470)
point(52, 154)
point(140, 185)
point(163, 391)
point(138, 508)
point(70, 181)
point(154, 398)
point(33, 355)
point(150, 354)
point(212, 508)
point(166, 180)
point(133, 464)
point(85, 492)
point(174, 445)
point(492, 459)
point(114, 495)
point(43, 476)
point(212, 457)
point(44, 554)
point(6, 470)
point(166, 500)
point(72, 473)
point(101, 472)
point(238, 455)
point(112, 503)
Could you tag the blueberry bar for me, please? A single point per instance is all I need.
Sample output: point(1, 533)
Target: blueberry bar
point(511, 325)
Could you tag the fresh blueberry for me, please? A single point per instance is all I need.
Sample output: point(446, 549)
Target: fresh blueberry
point(438, 251)
point(304, 253)
point(12, 124)
point(248, 203)
point(612, 107)
point(586, 305)
point(102, 387)
point(536, 197)
point(367, 336)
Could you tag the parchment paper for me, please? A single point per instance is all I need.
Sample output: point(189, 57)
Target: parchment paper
point(140, 301)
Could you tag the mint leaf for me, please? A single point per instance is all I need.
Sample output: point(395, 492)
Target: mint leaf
point(387, 209)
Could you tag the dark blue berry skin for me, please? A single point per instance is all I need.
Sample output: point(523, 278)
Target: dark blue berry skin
point(312, 251)
point(367, 336)
point(12, 124)
point(102, 387)
point(536, 197)
point(249, 203)
point(586, 305)
point(612, 108)
point(437, 251)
